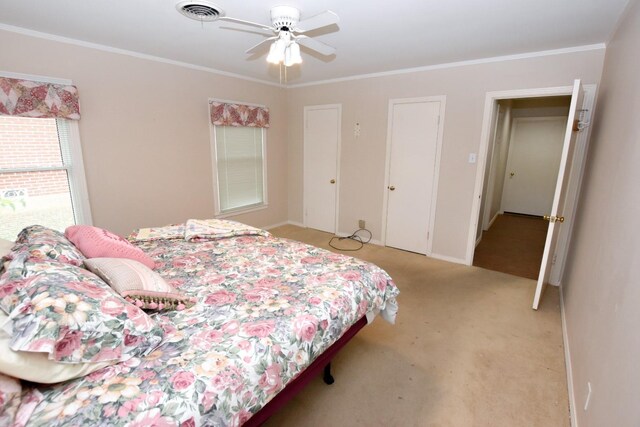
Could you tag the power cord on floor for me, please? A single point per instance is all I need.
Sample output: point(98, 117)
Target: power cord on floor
point(355, 237)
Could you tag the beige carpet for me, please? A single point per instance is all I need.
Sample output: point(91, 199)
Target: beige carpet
point(467, 350)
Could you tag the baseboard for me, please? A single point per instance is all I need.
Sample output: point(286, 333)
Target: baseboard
point(447, 258)
point(280, 224)
point(493, 220)
point(567, 361)
point(478, 240)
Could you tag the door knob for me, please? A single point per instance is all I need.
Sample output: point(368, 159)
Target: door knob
point(391, 188)
point(560, 218)
point(333, 181)
point(547, 218)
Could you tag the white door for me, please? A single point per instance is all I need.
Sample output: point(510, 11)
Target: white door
point(532, 165)
point(321, 150)
point(556, 217)
point(412, 163)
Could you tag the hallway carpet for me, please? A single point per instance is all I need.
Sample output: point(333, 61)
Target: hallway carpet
point(466, 350)
point(513, 245)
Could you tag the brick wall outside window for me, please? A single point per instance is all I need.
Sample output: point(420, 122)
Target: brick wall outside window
point(27, 142)
point(42, 197)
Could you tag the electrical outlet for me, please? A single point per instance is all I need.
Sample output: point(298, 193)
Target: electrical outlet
point(361, 223)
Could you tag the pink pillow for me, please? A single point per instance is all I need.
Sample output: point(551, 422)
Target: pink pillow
point(96, 242)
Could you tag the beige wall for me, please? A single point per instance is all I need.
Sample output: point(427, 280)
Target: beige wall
point(363, 159)
point(602, 281)
point(145, 133)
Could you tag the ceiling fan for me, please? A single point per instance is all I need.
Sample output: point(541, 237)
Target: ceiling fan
point(287, 31)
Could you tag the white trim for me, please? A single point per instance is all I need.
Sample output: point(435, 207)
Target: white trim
point(278, 224)
point(110, 49)
point(227, 101)
point(567, 362)
point(494, 219)
point(486, 221)
point(241, 211)
point(575, 49)
point(34, 77)
point(478, 240)
point(490, 104)
point(338, 159)
point(78, 179)
point(447, 258)
point(442, 99)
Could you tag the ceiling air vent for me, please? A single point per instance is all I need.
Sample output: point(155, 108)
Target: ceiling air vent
point(199, 10)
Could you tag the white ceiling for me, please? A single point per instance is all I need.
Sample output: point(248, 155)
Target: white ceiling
point(372, 36)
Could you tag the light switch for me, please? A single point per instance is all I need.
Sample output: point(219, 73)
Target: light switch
point(473, 157)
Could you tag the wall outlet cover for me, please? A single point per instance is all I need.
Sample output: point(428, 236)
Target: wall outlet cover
point(361, 223)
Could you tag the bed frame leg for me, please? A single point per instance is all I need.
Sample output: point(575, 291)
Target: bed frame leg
point(326, 376)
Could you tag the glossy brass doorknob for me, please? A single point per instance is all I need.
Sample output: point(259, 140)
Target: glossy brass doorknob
point(547, 218)
point(391, 188)
point(333, 181)
point(560, 218)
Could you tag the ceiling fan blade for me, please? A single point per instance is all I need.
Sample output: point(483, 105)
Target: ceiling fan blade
point(255, 48)
point(243, 22)
point(314, 44)
point(318, 21)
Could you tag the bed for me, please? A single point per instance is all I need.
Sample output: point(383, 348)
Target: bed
point(268, 315)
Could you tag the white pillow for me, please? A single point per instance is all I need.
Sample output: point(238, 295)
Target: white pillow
point(37, 367)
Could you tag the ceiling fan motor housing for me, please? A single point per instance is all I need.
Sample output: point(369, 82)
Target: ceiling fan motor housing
point(285, 17)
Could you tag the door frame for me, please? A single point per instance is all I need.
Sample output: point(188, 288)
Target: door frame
point(306, 109)
point(575, 177)
point(486, 220)
point(442, 99)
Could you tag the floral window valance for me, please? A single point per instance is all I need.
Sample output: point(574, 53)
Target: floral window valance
point(225, 114)
point(28, 98)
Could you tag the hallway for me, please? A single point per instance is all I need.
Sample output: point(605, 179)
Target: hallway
point(513, 245)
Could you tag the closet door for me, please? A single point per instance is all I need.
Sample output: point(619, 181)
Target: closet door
point(414, 135)
point(532, 165)
point(321, 160)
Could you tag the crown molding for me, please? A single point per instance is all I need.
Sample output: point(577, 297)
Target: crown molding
point(514, 57)
point(110, 49)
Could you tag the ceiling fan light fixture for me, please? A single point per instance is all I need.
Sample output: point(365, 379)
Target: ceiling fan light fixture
point(272, 58)
point(277, 51)
point(292, 55)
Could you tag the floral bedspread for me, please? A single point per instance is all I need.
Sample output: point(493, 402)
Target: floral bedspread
point(266, 308)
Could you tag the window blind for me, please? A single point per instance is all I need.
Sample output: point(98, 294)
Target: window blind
point(240, 171)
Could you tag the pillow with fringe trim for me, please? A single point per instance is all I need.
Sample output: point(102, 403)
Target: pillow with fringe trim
point(138, 284)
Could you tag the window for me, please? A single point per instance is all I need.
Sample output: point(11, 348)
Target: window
point(41, 175)
point(239, 168)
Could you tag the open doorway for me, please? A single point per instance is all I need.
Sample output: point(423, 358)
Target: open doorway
point(569, 177)
point(519, 183)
